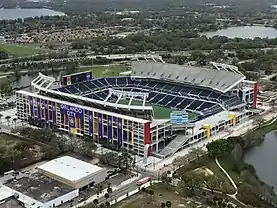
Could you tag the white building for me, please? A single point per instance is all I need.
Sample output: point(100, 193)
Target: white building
point(39, 191)
point(73, 172)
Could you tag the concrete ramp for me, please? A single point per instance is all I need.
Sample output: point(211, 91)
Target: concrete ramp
point(173, 146)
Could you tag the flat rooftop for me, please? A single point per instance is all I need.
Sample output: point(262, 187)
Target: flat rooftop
point(69, 168)
point(4, 193)
point(39, 187)
point(214, 120)
point(11, 203)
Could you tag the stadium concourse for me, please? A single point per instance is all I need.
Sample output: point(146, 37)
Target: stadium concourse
point(133, 110)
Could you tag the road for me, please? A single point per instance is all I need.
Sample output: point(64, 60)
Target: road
point(119, 190)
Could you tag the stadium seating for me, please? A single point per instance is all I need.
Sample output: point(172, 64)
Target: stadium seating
point(162, 93)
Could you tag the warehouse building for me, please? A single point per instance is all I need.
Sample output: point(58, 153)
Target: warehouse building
point(38, 191)
point(73, 172)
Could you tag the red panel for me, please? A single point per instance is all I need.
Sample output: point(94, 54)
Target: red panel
point(147, 135)
point(255, 95)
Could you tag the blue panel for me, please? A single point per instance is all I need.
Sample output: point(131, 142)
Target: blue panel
point(110, 129)
point(46, 110)
point(31, 106)
point(54, 113)
point(119, 131)
point(39, 108)
point(100, 126)
point(71, 111)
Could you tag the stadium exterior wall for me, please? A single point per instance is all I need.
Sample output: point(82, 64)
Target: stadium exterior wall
point(102, 126)
point(147, 136)
point(255, 95)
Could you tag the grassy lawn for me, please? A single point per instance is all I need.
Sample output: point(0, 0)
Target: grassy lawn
point(228, 165)
point(207, 162)
point(20, 50)
point(8, 141)
point(216, 170)
point(162, 193)
point(106, 71)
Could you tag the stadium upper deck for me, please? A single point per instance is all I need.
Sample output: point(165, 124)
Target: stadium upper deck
point(218, 80)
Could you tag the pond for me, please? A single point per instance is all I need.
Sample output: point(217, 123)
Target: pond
point(8, 14)
point(264, 159)
point(244, 32)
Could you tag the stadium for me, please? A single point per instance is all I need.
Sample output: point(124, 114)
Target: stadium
point(135, 110)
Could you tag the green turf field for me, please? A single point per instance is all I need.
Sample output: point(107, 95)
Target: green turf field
point(21, 50)
point(159, 111)
point(106, 71)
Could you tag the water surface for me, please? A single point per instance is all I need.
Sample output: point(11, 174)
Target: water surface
point(245, 32)
point(24, 13)
point(264, 159)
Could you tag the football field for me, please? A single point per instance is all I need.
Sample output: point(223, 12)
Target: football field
point(158, 111)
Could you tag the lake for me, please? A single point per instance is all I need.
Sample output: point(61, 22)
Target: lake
point(245, 32)
point(24, 13)
point(264, 159)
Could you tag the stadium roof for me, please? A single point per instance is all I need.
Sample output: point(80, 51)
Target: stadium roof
point(219, 80)
point(126, 117)
point(69, 168)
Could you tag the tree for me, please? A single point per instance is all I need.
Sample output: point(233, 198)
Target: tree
point(109, 191)
point(12, 154)
point(272, 104)
point(8, 120)
point(151, 193)
point(212, 182)
point(168, 204)
point(196, 153)
point(219, 148)
point(107, 204)
point(165, 178)
point(98, 188)
point(102, 205)
point(5, 87)
point(163, 205)
point(143, 190)
point(258, 121)
point(192, 180)
point(14, 121)
point(95, 202)
point(106, 196)
point(1, 115)
point(178, 162)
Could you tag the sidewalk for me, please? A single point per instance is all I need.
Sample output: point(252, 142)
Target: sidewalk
point(114, 188)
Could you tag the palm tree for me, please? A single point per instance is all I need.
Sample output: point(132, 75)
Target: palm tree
point(151, 193)
point(14, 121)
point(168, 204)
point(143, 189)
point(109, 191)
point(107, 204)
point(8, 120)
point(162, 205)
point(106, 196)
point(95, 202)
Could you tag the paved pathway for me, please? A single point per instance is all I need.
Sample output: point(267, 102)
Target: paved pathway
point(227, 175)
